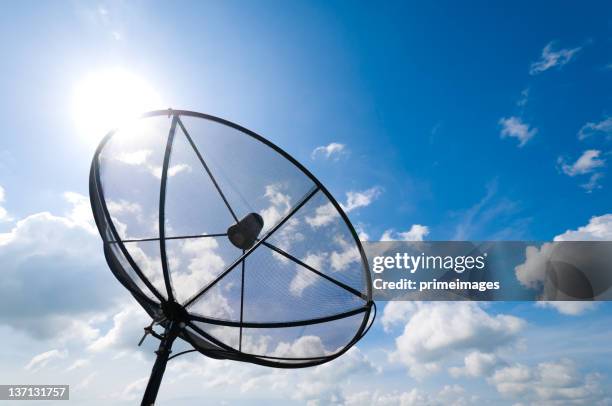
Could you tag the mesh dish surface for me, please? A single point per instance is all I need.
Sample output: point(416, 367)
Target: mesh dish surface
point(164, 191)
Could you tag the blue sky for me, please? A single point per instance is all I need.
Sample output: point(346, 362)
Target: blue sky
point(470, 121)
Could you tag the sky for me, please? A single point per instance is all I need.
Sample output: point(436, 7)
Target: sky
point(436, 121)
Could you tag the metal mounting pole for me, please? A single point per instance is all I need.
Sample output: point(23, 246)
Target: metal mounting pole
point(157, 373)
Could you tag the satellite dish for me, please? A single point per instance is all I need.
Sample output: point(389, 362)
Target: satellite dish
point(228, 243)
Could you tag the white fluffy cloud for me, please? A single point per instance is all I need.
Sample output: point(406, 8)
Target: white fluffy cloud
point(476, 364)
point(586, 163)
point(332, 150)
point(327, 213)
point(127, 328)
point(515, 128)
point(323, 215)
point(604, 127)
point(599, 228)
point(321, 385)
point(437, 331)
point(139, 157)
point(551, 383)
point(397, 313)
point(303, 347)
point(346, 255)
point(280, 204)
point(328, 384)
point(355, 200)
point(551, 58)
point(43, 256)
point(532, 272)
point(80, 212)
point(197, 263)
point(416, 232)
point(172, 170)
point(574, 308)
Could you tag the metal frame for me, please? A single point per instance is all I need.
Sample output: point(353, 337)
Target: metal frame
point(164, 309)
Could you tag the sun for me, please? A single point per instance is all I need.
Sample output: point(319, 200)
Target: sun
point(105, 99)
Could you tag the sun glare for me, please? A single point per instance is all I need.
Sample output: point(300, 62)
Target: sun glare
point(104, 100)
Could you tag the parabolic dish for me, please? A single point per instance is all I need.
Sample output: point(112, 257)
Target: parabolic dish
point(288, 287)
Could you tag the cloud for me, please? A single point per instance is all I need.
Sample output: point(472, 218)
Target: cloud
point(551, 58)
point(40, 361)
point(197, 262)
point(172, 170)
point(324, 214)
point(416, 233)
point(85, 382)
point(361, 233)
point(80, 213)
point(549, 383)
point(333, 151)
point(280, 204)
point(134, 389)
point(413, 397)
point(476, 364)
point(303, 347)
point(299, 283)
point(603, 127)
point(109, 19)
point(572, 308)
point(593, 182)
point(397, 313)
point(524, 98)
point(437, 331)
point(449, 395)
point(532, 272)
point(141, 158)
point(355, 200)
point(325, 384)
point(514, 127)
point(348, 254)
point(327, 213)
point(322, 383)
point(44, 255)
point(586, 163)
point(599, 228)
point(493, 217)
point(125, 331)
point(3, 213)
point(79, 363)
